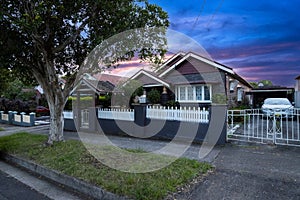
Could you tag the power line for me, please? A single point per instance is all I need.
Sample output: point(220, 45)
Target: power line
point(215, 13)
point(201, 10)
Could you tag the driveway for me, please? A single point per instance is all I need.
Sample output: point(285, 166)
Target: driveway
point(251, 172)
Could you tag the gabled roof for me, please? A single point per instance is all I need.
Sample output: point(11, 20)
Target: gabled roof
point(179, 58)
point(201, 58)
point(114, 79)
point(150, 75)
point(243, 81)
point(93, 84)
point(205, 60)
point(175, 57)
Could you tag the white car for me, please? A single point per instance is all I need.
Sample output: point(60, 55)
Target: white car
point(278, 107)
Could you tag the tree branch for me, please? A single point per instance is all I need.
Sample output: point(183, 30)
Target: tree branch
point(71, 38)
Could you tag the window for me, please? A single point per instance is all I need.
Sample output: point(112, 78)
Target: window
point(190, 93)
point(199, 93)
point(194, 93)
point(206, 93)
point(240, 94)
point(182, 92)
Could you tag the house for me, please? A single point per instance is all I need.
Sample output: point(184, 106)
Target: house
point(193, 80)
point(188, 78)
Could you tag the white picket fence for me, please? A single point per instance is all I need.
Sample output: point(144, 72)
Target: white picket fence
point(68, 114)
point(186, 114)
point(117, 114)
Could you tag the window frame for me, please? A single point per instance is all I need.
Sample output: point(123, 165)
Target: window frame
point(179, 88)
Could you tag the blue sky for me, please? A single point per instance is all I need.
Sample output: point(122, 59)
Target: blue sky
point(258, 39)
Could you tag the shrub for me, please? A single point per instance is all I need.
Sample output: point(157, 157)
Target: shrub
point(173, 104)
point(219, 99)
point(154, 96)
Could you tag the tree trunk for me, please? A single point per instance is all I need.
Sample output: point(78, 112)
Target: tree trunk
point(56, 123)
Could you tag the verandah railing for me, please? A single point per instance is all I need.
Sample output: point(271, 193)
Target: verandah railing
point(186, 114)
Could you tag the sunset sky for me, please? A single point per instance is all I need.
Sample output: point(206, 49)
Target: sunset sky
point(259, 39)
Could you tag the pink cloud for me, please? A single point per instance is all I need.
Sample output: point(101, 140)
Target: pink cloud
point(130, 67)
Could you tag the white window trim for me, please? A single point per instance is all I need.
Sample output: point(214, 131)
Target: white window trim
point(177, 93)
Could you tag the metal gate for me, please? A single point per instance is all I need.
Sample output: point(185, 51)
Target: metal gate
point(252, 125)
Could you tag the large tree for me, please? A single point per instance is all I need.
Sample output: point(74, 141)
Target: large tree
point(48, 39)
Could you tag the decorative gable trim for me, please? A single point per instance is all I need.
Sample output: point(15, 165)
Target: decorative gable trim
point(151, 76)
point(205, 60)
point(169, 60)
point(93, 84)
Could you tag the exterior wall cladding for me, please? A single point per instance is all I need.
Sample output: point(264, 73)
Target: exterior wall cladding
point(154, 129)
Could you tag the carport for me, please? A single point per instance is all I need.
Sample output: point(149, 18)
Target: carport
point(258, 95)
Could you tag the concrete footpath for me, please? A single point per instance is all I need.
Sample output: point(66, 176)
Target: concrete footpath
point(42, 186)
point(242, 171)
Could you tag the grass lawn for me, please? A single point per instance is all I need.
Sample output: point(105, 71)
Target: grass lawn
point(2, 129)
point(72, 158)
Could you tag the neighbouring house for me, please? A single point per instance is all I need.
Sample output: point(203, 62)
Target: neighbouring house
point(193, 80)
point(297, 92)
point(98, 86)
point(91, 91)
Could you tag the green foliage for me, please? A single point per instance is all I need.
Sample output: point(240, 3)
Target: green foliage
point(127, 92)
point(264, 82)
point(45, 40)
point(241, 107)
point(72, 158)
point(132, 88)
point(68, 105)
point(13, 90)
point(219, 99)
point(153, 96)
point(4, 80)
point(254, 84)
point(16, 89)
point(67, 31)
point(105, 100)
point(173, 104)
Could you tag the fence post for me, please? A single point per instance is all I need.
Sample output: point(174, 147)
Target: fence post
point(32, 118)
point(93, 119)
point(217, 132)
point(22, 118)
point(11, 116)
point(140, 118)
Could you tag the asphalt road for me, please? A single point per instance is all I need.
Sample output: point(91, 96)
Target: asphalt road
point(11, 188)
